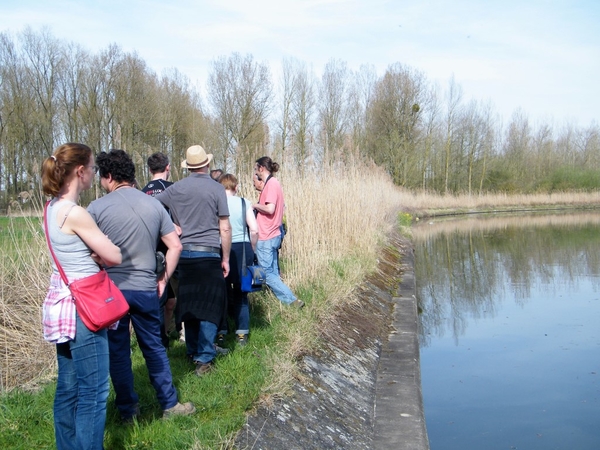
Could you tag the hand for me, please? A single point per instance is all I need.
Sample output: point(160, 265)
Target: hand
point(161, 285)
point(97, 259)
point(225, 267)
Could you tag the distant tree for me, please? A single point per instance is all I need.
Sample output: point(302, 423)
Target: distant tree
point(240, 92)
point(333, 118)
point(453, 103)
point(394, 123)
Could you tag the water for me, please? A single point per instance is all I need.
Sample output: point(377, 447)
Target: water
point(510, 331)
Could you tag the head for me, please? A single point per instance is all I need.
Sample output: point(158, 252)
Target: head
point(258, 182)
point(215, 174)
point(66, 163)
point(115, 166)
point(158, 163)
point(196, 159)
point(265, 166)
point(229, 182)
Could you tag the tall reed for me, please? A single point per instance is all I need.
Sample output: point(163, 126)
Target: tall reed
point(337, 217)
point(24, 277)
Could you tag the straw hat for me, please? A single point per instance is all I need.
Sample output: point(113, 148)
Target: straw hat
point(196, 157)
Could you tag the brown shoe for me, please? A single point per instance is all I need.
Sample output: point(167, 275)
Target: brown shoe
point(180, 409)
point(203, 369)
point(297, 304)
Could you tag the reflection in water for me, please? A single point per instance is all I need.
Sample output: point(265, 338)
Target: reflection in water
point(464, 267)
point(510, 334)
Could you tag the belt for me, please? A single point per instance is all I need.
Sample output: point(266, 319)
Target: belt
point(201, 248)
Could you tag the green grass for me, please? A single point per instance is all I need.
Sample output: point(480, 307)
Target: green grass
point(18, 229)
point(222, 398)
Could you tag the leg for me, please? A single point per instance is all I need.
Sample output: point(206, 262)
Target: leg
point(192, 329)
point(121, 372)
point(65, 399)
point(145, 316)
point(90, 355)
point(206, 337)
point(88, 369)
point(266, 251)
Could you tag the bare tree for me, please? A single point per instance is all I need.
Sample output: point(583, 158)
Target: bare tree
point(240, 92)
point(361, 92)
point(333, 118)
point(454, 98)
point(395, 123)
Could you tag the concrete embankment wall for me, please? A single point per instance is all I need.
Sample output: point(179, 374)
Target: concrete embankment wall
point(362, 388)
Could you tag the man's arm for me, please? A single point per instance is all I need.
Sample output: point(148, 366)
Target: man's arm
point(174, 248)
point(252, 228)
point(225, 232)
point(268, 209)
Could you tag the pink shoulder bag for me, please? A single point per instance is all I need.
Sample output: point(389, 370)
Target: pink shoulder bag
point(98, 300)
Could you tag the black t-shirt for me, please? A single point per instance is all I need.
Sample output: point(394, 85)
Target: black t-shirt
point(154, 188)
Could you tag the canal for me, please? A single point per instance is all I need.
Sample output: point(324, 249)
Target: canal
point(510, 331)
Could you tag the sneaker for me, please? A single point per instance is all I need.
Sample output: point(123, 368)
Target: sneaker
point(221, 350)
point(221, 340)
point(297, 304)
point(242, 339)
point(203, 369)
point(180, 409)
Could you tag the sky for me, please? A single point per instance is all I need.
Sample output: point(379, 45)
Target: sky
point(541, 57)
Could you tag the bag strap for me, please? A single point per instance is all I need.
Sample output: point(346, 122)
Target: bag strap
point(58, 266)
point(244, 267)
point(264, 186)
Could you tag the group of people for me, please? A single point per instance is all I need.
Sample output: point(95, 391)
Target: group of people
point(200, 227)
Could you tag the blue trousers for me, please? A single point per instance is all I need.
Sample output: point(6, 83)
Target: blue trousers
point(267, 254)
point(145, 316)
point(81, 390)
point(199, 340)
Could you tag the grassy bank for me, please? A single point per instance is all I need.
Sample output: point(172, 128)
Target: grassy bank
point(337, 224)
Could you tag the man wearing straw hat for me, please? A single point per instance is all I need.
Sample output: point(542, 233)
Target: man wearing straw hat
point(199, 206)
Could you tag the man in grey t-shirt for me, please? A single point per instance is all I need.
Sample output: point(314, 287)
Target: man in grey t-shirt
point(199, 206)
point(134, 221)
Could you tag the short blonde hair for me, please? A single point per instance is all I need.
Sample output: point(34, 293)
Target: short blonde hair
point(229, 182)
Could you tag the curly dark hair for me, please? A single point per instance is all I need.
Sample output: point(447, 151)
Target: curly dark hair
point(118, 164)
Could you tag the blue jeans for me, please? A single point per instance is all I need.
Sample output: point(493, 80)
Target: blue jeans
point(199, 340)
point(81, 390)
point(239, 309)
point(145, 316)
point(266, 251)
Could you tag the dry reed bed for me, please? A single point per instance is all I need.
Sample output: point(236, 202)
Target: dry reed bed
point(337, 218)
point(24, 276)
point(426, 203)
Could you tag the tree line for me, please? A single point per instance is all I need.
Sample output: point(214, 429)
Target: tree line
point(425, 137)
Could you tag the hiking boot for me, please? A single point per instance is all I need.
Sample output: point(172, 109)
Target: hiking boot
point(242, 339)
point(180, 409)
point(203, 369)
point(297, 304)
